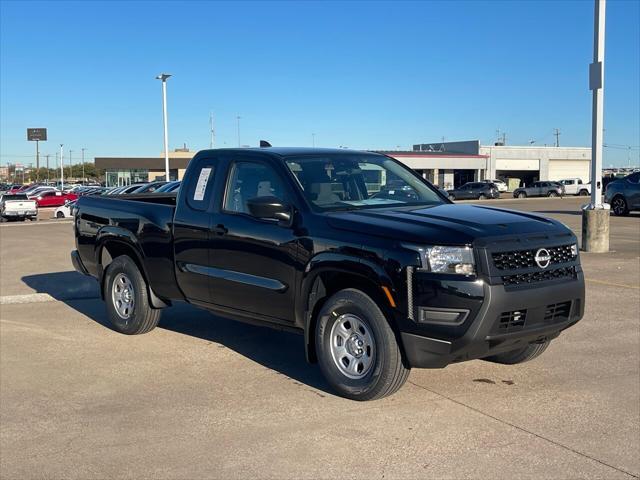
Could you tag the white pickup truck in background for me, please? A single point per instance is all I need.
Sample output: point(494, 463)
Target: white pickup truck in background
point(17, 206)
point(574, 186)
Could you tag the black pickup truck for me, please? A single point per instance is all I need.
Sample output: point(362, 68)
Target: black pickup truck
point(376, 267)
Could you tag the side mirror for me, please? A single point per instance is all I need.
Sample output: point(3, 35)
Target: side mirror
point(270, 208)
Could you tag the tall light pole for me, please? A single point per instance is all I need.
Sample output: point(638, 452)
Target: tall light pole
point(70, 163)
point(48, 172)
point(595, 218)
point(211, 130)
point(163, 77)
point(82, 150)
point(238, 119)
point(61, 167)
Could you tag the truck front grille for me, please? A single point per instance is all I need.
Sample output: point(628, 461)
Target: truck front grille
point(525, 258)
point(540, 276)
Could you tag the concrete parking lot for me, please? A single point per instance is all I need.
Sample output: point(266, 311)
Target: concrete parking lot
point(205, 397)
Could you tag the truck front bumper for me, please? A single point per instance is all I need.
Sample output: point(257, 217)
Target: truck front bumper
point(507, 320)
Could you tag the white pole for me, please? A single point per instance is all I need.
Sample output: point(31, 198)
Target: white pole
point(166, 129)
point(596, 84)
point(61, 168)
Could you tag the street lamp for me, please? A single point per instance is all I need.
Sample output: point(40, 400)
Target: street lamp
point(163, 77)
point(82, 150)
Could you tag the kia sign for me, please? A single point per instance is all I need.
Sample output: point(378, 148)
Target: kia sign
point(36, 134)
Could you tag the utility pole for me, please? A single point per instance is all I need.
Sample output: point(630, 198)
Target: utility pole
point(48, 172)
point(61, 167)
point(82, 150)
point(556, 132)
point(211, 130)
point(70, 164)
point(238, 119)
point(595, 216)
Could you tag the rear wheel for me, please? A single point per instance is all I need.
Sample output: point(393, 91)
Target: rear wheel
point(482, 197)
point(619, 206)
point(522, 195)
point(552, 194)
point(127, 298)
point(452, 197)
point(583, 193)
point(59, 215)
point(357, 349)
point(520, 355)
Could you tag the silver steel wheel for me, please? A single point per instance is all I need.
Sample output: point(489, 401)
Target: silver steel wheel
point(352, 346)
point(123, 296)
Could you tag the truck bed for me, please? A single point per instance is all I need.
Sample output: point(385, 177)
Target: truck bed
point(145, 220)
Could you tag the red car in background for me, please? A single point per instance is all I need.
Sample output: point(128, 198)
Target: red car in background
point(54, 198)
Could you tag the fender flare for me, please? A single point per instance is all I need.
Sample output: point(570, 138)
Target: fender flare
point(313, 289)
point(114, 234)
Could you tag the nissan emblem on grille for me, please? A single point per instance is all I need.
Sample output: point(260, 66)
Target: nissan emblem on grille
point(542, 258)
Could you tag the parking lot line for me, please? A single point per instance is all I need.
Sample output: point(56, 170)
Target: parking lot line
point(622, 285)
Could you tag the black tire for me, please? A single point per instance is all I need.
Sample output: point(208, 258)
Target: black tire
point(482, 197)
point(520, 355)
point(386, 372)
point(552, 194)
point(619, 206)
point(59, 215)
point(522, 195)
point(452, 197)
point(583, 193)
point(141, 318)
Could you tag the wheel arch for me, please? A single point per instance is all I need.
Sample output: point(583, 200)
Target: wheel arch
point(114, 242)
point(327, 278)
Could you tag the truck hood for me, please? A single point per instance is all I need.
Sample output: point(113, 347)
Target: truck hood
point(448, 224)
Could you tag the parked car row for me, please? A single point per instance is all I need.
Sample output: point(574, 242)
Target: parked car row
point(474, 191)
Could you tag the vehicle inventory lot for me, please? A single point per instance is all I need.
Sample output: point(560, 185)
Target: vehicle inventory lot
point(204, 397)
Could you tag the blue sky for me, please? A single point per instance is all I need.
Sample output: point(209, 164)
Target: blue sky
point(362, 74)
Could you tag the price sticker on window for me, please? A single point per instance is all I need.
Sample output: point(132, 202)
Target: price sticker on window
point(201, 186)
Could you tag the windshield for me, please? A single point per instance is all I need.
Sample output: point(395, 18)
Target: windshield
point(339, 182)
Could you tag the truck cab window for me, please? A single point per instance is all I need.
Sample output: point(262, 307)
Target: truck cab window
point(249, 180)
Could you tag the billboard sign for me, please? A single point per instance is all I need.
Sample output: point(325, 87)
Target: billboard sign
point(36, 134)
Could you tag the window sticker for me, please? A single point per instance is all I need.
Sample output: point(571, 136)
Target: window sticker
point(201, 186)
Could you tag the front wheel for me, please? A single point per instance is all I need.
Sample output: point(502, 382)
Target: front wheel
point(482, 197)
point(619, 206)
point(357, 349)
point(127, 298)
point(522, 195)
point(520, 355)
point(452, 197)
point(59, 215)
point(552, 194)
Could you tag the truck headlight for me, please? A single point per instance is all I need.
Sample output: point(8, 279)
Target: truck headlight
point(441, 259)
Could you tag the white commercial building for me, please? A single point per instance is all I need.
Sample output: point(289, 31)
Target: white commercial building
point(451, 164)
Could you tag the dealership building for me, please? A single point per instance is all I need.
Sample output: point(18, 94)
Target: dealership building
point(451, 164)
point(446, 164)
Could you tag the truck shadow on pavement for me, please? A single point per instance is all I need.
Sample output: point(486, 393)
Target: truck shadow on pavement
point(277, 350)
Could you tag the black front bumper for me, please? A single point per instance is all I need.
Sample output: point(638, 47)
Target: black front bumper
point(498, 325)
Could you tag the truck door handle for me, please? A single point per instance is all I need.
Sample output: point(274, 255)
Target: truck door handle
point(220, 229)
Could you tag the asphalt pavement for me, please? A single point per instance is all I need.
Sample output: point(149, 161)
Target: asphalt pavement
point(205, 397)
